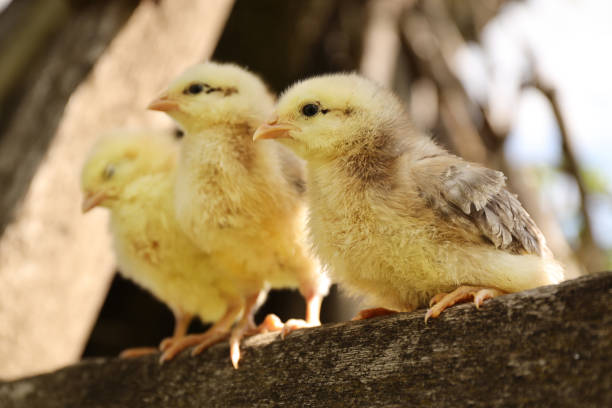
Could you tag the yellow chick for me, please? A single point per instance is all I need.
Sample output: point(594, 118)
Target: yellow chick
point(133, 175)
point(242, 202)
point(397, 218)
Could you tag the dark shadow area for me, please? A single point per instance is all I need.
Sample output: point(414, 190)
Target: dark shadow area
point(132, 317)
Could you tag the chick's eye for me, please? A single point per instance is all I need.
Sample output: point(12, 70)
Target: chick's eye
point(108, 172)
point(195, 89)
point(310, 109)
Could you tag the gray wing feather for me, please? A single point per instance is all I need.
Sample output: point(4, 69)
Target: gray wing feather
point(479, 195)
point(293, 169)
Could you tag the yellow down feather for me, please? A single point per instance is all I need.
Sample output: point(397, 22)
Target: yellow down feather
point(135, 172)
point(395, 217)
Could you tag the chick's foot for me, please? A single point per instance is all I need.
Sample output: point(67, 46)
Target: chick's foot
point(271, 323)
point(374, 312)
point(296, 324)
point(138, 352)
point(166, 343)
point(238, 333)
point(442, 301)
point(202, 341)
point(245, 325)
point(181, 324)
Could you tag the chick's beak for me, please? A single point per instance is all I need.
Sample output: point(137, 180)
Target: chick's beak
point(274, 130)
point(164, 103)
point(92, 200)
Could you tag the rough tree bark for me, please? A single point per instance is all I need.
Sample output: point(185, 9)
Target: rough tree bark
point(550, 346)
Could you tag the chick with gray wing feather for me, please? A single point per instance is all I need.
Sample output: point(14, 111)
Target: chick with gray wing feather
point(395, 217)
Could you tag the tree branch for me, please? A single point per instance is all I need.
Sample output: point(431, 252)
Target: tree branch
point(589, 252)
point(551, 346)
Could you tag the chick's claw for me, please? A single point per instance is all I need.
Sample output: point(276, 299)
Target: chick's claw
point(235, 338)
point(442, 301)
point(271, 323)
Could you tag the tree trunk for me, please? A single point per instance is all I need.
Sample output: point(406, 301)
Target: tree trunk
point(55, 263)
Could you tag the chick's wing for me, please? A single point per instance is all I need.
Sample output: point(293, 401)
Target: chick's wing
point(465, 193)
point(292, 169)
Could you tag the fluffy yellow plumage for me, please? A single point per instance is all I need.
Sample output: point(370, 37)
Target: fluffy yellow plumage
point(240, 201)
point(133, 175)
point(397, 218)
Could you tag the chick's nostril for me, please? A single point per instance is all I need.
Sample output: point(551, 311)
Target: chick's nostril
point(273, 120)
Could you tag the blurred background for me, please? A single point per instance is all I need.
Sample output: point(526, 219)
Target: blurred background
point(521, 86)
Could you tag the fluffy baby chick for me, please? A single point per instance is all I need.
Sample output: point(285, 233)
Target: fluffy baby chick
point(396, 217)
point(132, 174)
point(240, 201)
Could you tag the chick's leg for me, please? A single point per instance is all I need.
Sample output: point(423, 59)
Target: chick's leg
point(244, 325)
point(219, 331)
point(313, 311)
point(442, 301)
point(181, 324)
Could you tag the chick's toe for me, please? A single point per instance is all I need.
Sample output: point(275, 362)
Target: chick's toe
point(238, 333)
point(218, 332)
point(203, 341)
point(181, 325)
point(437, 298)
point(374, 312)
point(443, 301)
point(271, 323)
point(138, 352)
point(296, 324)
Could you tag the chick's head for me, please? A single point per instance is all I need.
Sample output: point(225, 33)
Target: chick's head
point(329, 115)
point(211, 93)
point(118, 159)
